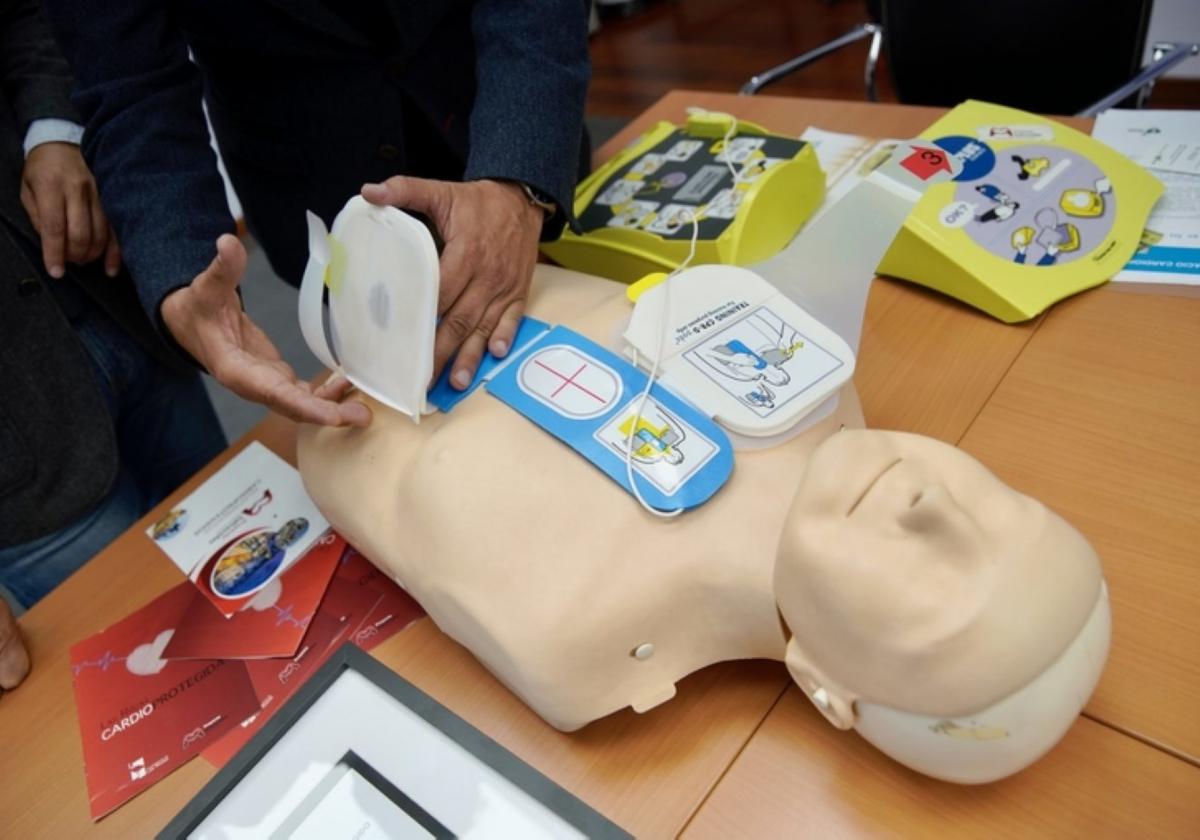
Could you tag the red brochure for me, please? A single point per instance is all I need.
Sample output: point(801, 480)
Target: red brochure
point(377, 605)
point(271, 624)
point(361, 605)
point(394, 611)
point(275, 680)
point(140, 715)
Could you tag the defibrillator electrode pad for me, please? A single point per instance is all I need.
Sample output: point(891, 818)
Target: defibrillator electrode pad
point(381, 268)
point(738, 349)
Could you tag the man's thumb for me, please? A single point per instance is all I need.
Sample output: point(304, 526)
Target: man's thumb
point(420, 195)
point(228, 266)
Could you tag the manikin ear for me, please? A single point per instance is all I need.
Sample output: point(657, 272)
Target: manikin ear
point(830, 699)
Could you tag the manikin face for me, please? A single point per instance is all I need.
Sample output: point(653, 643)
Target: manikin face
point(889, 510)
point(914, 580)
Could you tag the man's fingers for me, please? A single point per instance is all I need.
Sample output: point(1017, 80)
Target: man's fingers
point(333, 388)
point(274, 384)
point(14, 658)
point(419, 194)
point(355, 413)
point(52, 228)
point(79, 227)
point(112, 255)
point(506, 329)
point(242, 357)
point(467, 329)
point(283, 397)
point(494, 331)
point(467, 360)
point(455, 328)
point(30, 205)
point(298, 403)
point(99, 227)
point(14, 664)
point(454, 272)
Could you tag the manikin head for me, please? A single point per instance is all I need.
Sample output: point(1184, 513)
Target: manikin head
point(958, 625)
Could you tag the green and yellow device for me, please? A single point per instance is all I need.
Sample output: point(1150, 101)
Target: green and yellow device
point(635, 211)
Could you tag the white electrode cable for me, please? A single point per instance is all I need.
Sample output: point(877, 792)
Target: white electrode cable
point(730, 132)
point(637, 415)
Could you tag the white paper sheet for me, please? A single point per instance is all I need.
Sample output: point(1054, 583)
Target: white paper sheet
point(242, 528)
point(847, 159)
point(1168, 144)
point(354, 809)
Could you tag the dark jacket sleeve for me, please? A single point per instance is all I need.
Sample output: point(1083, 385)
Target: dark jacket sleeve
point(532, 73)
point(34, 76)
point(145, 139)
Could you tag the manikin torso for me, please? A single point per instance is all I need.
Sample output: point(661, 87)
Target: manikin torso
point(582, 603)
point(577, 599)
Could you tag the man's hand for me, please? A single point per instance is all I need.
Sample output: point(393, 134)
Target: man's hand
point(60, 197)
point(207, 320)
point(14, 659)
point(491, 234)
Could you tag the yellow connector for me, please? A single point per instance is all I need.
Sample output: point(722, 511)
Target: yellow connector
point(637, 287)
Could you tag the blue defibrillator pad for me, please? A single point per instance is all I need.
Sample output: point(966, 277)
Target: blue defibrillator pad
point(445, 397)
point(587, 397)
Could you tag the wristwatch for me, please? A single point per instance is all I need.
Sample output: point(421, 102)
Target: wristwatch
point(539, 199)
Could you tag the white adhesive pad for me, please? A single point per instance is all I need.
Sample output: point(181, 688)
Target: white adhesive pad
point(739, 350)
point(381, 267)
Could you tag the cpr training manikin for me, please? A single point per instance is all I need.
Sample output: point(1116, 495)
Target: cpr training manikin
point(956, 624)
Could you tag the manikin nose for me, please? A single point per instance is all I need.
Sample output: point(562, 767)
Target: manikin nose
point(932, 508)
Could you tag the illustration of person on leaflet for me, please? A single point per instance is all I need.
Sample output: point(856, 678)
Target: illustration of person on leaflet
point(762, 364)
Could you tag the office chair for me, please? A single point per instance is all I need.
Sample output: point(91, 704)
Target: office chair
point(1045, 56)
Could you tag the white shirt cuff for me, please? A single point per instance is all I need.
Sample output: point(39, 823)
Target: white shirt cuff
point(51, 130)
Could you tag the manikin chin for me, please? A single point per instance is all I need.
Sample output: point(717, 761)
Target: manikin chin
point(956, 624)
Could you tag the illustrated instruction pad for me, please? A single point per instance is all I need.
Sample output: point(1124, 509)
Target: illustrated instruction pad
point(736, 348)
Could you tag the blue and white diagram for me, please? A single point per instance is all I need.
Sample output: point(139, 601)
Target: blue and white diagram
point(763, 361)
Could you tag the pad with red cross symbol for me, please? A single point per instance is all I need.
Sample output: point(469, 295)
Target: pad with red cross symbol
point(586, 395)
point(570, 382)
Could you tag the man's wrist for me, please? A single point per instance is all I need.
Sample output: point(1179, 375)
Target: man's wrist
point(174, 311)
point(529, 195)
point(51, 130)
point(539, 199)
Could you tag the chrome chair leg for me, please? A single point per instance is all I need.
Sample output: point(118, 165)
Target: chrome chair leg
point(1165, 56)
point(872, 30)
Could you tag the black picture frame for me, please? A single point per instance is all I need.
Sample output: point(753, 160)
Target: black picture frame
point(352, 761)
point(568, 807)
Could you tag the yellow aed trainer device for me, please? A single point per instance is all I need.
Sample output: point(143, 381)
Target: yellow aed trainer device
point(635, 211)
point(1013, 212)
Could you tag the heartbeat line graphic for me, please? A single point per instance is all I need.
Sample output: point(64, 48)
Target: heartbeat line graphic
point(102, 663)
point(283, 615)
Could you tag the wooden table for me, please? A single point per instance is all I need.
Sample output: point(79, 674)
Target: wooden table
point(1093, 408)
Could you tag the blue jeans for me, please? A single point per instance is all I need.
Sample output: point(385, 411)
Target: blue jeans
point(166, 431)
